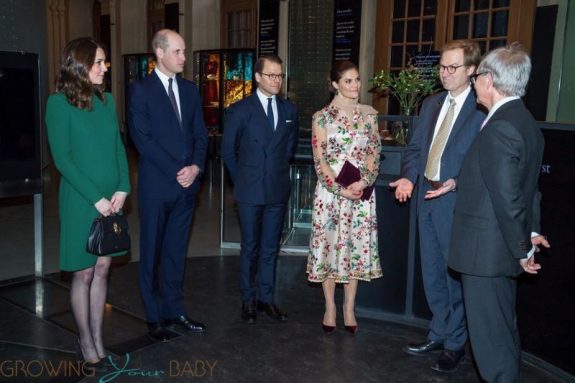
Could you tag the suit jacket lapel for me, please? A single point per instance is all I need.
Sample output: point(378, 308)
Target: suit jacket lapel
point(164, 101)
point(182, 92)
point(468, 106)
point(281, 125)
point(261, 119)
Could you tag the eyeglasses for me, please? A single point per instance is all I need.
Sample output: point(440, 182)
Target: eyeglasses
point(449, 68)
point(274, 77)
point(473, 77)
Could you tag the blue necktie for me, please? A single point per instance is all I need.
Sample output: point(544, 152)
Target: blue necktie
point(271, 114)
point(173, 100)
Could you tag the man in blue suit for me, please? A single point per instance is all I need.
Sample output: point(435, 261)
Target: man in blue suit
point(260, 138)
point(448, 123)
point(167, 127)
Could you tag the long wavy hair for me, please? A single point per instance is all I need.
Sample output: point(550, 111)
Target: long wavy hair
point(74, 79)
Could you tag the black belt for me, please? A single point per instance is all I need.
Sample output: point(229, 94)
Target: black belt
point(434, 184)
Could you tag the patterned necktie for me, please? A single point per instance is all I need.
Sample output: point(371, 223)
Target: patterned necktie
point(173, 100)
point(270, 112)
point(439, 143)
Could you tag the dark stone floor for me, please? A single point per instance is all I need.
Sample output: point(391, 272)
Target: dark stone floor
point(37, 331)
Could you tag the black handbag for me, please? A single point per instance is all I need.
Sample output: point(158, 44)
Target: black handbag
point(108, 235)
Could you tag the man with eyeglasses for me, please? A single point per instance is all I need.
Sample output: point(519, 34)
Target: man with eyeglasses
point(447, 125)
point(496, 216)
point(260, 139)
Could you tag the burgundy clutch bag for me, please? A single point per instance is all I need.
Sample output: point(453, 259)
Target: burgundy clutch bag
point(350, 174)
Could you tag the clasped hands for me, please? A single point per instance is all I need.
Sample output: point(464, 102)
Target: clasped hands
point(113, 205)
point(187, 175)
point(354, 191)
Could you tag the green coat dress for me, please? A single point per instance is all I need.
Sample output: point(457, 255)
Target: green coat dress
point(89, 153)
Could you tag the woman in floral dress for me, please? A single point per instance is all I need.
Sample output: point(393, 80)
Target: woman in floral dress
point(343, 243)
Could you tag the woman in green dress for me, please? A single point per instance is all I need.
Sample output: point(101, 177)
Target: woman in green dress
point(87, 150)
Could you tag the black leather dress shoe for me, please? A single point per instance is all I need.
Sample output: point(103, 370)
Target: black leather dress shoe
point(273, 311)
point(249, 313)
point(449, 360)
point(423, 348)
point(185, 323)
point(157, 332)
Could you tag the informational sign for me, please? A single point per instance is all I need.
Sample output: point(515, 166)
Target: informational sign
point(427, 62)
point(268, 27)
point(346, 30)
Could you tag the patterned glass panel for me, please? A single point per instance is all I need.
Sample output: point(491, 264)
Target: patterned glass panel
point(412, 31)
point(496, 43)
point(307, 77)
point(430, 7)
point(460, 25)
point(480, 21)
point(399, 9)
point(483, 46)
point(428, 30)
point(397, 56)
point(414, 8)
point(410, 52)
point(427, 48)
point(397, 31)
point(481, 4)
point(500, 3)
point(499, 23)
point(462, 5)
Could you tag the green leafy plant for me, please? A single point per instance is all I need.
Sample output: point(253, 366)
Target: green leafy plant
point(409, 86)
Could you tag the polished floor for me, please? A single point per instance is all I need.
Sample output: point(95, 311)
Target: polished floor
point(37, 334)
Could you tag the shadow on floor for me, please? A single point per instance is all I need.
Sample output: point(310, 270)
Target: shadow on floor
point(37, 331)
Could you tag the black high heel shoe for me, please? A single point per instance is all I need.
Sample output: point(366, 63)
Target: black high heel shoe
point(98, 367)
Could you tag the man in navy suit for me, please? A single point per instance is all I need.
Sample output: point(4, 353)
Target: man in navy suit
point(260, 138)
point(496, 217)
point(448, 123)
point(167, 127)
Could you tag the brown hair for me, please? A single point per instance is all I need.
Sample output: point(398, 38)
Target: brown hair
point(471, 51)
point(338, 68)
point(259, 66)
point(74, 79)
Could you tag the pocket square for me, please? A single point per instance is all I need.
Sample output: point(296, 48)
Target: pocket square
point(350, 174)
point(288, 121)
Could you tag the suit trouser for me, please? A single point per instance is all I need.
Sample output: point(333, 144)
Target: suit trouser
point(164, 233)
point(492, 322)
point(261, 228)
point(442, 286)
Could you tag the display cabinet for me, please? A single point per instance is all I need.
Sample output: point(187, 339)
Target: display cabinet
point(224, 76)
point(136, 67)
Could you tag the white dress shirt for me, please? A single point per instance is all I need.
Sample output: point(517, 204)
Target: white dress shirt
point(264, 101)
point(166, 84)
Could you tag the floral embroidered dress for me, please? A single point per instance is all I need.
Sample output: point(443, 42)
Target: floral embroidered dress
point(343, 243)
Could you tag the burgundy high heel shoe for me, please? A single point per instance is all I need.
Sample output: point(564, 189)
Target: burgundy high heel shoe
point(351, 329)
point(327, 329)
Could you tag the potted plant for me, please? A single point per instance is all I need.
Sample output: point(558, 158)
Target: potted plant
point(409, 86)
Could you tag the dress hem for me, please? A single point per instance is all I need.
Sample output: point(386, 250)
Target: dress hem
point(340, 279)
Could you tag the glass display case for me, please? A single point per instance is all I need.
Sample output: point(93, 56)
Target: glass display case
point(297, 222)
point(223, 76)
point(138, 66)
